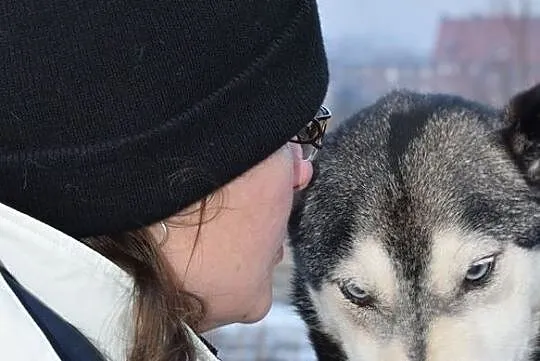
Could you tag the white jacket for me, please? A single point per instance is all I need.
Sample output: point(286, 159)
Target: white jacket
point(80, 285)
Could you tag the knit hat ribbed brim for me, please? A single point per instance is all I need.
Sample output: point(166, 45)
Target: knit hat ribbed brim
point(117, 114)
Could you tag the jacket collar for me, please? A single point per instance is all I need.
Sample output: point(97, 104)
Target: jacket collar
point(79, 284)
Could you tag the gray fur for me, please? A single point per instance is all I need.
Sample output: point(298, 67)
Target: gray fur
point(401, 168)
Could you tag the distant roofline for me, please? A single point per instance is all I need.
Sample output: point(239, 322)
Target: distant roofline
point(487, 17)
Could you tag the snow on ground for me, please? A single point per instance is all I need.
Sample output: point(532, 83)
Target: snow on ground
point(281, 336)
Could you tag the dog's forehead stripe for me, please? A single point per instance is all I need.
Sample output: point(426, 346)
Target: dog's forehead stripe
point(404, 128)
point(406, 241)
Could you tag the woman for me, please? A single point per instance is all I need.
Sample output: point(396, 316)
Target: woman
point(149, 154)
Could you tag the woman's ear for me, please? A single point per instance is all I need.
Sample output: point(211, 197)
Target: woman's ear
point(522, 118)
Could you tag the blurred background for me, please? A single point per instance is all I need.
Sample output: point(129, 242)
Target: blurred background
point(486, 50)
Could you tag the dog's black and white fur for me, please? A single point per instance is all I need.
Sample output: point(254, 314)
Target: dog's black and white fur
point(418, 236)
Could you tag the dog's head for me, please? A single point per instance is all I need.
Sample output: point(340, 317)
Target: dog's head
point(417, 239)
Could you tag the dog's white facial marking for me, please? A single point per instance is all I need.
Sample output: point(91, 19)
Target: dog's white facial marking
point(453, 253)
point(494, 322)
point(498, 323)
point(357, 342)
point(370, 269)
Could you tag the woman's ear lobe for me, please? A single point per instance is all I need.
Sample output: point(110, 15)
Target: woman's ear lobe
point(522, 118)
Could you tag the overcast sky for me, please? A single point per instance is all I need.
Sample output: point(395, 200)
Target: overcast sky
point(411, 23)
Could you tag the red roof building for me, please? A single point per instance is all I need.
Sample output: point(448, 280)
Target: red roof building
point(487, 58)
point(482, 39)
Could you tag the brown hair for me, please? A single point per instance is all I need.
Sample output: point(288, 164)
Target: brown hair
point(162, 307)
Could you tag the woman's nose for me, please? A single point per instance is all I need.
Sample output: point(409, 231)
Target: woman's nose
point(305, 173)
point(303, 169)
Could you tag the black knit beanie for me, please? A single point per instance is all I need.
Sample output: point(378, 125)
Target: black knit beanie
point(115, 114)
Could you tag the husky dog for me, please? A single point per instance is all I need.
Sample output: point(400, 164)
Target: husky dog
point(418, 239)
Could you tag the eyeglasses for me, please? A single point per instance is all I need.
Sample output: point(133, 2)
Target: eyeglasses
point(311, 136)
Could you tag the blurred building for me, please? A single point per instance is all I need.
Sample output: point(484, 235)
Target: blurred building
point(485, 58)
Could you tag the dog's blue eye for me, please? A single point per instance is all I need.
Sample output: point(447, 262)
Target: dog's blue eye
point(355, 294)
point(480, 270)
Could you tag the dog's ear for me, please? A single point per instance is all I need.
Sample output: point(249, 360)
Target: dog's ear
point(522, 117)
